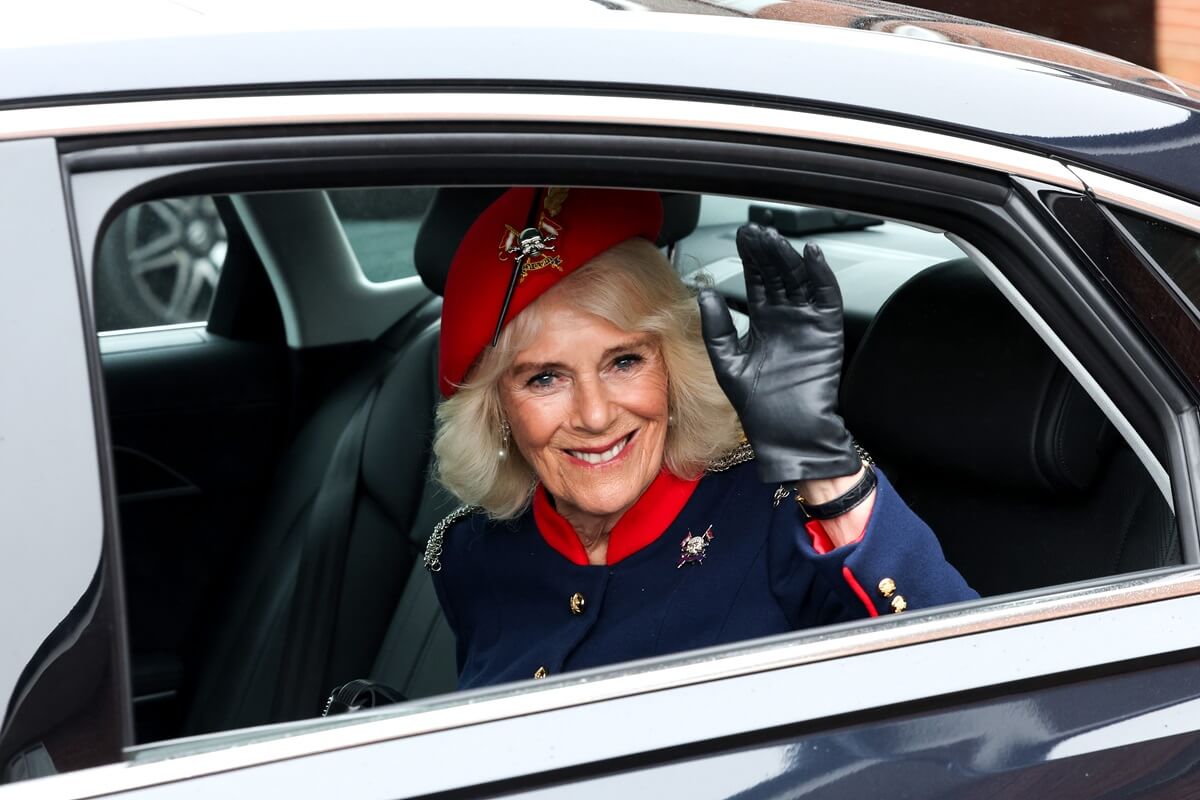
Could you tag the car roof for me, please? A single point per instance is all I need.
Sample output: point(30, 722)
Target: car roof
point(858, 57)
point(937, 26)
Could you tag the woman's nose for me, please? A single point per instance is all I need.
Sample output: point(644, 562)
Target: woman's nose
point(593, 407)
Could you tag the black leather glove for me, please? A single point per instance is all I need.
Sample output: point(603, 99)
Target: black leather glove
point(782, 377)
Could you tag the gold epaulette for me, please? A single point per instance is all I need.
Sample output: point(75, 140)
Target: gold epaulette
point(433, 547)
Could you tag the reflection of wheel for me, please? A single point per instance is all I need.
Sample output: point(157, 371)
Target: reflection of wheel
point(159, 264)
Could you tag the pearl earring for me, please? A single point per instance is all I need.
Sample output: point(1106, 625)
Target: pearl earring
point(502, 453)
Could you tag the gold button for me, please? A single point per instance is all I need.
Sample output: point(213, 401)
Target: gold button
point(886, 587)
point(899, 604)
point(577, 603)
point(540, 673)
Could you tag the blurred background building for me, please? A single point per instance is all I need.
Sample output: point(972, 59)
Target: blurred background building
point(1177, 38)
point(1162, 35)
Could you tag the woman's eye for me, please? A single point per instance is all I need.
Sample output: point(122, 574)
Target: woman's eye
point(541, 380)
point(627, 361)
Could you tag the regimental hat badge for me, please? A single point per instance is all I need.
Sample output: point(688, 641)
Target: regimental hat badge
point(533, 246)
point(693, 549)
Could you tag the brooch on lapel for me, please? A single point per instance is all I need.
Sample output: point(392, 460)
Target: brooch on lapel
point(693, 549)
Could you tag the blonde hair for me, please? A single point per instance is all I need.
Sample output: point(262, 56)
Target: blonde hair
point(634, 287)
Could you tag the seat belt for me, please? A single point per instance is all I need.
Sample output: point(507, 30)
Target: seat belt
point(318, 590)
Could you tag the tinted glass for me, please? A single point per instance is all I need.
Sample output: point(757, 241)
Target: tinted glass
point(158, 264)
point(1176, 251)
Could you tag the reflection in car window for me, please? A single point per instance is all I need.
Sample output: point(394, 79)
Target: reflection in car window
point(381, 226)
point(1176, 251)
point(158, 264)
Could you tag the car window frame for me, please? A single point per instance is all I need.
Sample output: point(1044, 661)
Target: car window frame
point(64, 581)
point(947, 625)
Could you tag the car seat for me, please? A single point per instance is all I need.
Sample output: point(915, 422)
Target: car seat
point(992, 442)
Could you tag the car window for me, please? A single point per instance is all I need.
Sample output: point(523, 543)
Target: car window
point(158, 264)
point(381, 226)
point(918, 384)
point(870, 256)
point(1174, 250)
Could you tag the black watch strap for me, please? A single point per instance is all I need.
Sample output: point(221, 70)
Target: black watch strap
point(840, 505)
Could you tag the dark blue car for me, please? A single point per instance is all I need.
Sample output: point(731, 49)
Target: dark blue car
point(222, 226)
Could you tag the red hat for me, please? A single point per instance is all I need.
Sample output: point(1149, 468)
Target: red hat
point(535, 238)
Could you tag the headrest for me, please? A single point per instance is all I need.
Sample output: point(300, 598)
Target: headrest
point(454, 209)
point(681, 213)
point(445, 223)
point(949, 378)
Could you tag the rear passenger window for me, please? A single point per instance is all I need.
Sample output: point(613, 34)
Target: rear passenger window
point(381, 226)
point(159, 261)
point(158, 264)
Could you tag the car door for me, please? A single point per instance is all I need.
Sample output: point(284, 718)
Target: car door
point(63, 685)
point(1016, 690)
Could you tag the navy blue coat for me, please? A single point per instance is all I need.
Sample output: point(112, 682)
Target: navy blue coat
point(520, 609)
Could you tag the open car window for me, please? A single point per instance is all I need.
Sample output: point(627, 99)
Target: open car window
point(943, 382)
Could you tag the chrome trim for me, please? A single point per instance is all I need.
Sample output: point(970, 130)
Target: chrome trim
point(176, 326)
point(164, 763)
point(1167, 79)
point(1139, 198)
point(1158, 473)
point(223, 112)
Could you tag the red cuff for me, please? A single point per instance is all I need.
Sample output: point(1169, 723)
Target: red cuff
point(823, 544)
point(820, 539)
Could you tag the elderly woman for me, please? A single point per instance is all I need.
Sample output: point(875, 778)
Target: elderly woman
point(616, 510)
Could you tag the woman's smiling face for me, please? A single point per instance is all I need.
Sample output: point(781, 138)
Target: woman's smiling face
point(587, 404)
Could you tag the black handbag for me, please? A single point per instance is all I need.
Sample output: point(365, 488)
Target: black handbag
point(359, 694)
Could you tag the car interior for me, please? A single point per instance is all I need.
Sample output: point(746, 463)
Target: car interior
point(258, 576)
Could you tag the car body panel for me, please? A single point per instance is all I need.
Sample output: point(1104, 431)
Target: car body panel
point(1056, 741)
point(51, 510)
point(579, 725)
point(1110, 124)
point(79, 524)
point(922, 23)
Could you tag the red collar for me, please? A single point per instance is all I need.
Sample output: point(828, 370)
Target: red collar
point(644, 522)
